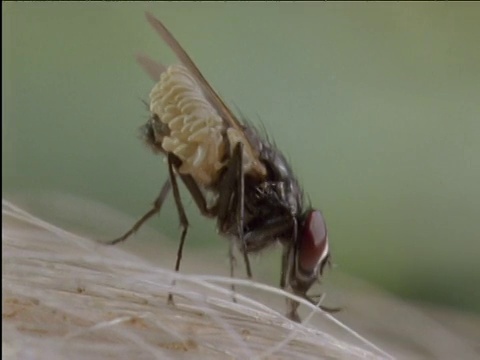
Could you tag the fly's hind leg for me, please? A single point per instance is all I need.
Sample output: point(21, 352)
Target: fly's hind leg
point(174, 163)
point(157, 206)
point(181, 214)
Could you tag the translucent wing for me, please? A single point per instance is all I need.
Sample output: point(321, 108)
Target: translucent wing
point(152, 68)
point(212, 96)
point(210, 93)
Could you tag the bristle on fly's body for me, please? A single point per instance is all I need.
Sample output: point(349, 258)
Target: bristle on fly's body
point(198, 135)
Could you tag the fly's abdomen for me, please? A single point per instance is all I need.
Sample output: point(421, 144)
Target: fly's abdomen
point(197, 134)
point(196, 129)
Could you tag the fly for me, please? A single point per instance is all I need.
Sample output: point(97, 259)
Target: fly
point(232, 173)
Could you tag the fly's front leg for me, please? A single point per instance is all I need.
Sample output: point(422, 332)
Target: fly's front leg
point(271, 229)
point(292, 305)
point(267, 232)
point(157, 206)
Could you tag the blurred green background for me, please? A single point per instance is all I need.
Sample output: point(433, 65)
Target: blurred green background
point(375, 104)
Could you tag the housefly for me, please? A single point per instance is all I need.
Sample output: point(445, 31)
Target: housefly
point(233, 175)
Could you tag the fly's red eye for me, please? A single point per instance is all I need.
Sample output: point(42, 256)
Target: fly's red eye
point(313, 246)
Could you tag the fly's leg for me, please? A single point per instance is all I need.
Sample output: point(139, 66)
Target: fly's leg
point(238, 154)
point(181, 214)
point(293, 305)
point(233, 262)
point(197, 195)
point(174, 163)
point(283, 275)
point(271, 229)
point(231, 203)
point(157, 206)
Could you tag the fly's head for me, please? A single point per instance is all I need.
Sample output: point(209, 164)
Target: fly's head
point(309, 257)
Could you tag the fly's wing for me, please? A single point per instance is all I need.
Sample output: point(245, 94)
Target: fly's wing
point(211, 95)
point(151, 67)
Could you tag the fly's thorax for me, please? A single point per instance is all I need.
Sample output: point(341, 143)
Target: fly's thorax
point(197, 134)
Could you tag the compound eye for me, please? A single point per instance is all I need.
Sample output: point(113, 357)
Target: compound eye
point(313, 246)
